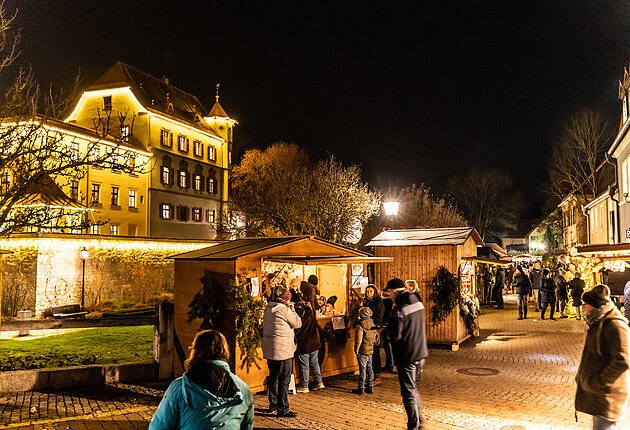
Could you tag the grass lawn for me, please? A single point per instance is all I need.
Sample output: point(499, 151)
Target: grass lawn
point(102, 345)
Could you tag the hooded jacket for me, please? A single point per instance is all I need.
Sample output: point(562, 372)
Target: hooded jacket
point(365, 337)
point(187, 405)
point(279, 320)
point(603, 376)
point(547, 291)
point(307, 336)
point(406, 329)
point(522, 284)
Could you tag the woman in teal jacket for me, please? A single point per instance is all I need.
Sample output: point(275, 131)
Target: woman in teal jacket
point(208, 395)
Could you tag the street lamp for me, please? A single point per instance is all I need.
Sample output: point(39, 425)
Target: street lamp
point(83, 253)
point(391, 209)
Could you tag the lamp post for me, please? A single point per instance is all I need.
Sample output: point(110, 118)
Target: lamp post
point(83, 253)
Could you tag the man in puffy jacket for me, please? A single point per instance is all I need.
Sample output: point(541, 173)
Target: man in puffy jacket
point(523, 290)
point(308, 344)
point(603, 375)
point(279, 321)
point(407, 332)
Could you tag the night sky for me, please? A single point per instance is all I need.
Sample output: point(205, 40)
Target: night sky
point(412, 92)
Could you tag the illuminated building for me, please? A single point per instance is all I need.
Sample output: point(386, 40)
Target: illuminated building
point(186, 190)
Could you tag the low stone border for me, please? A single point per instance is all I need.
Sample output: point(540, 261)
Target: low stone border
point(63, 377)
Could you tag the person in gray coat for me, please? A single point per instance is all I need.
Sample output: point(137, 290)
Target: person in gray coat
point(279, 322)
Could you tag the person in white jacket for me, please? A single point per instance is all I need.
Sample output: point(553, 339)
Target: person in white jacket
point(279, 347)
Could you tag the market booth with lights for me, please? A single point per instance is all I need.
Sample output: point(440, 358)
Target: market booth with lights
point(418, 254)
point(341, 272)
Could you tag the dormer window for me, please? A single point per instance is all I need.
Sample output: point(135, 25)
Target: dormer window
point(107, 103)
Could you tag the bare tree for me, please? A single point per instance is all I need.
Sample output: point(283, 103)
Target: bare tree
point(420, 208)
point(578, 153)
point(282, 192)
point(488, 200)
point(37, 154)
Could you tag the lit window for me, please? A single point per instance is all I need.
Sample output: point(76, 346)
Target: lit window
point(132, 198)
point(196, 214)
point(132, 163)
point(230, 157)
point(183, 179)
point(95, 153)
point(107, 103)
point(115, 192)
point(113, 229)
point(166, 138)
point(96, 191)
point(166, 175)
point(165, 211)
point(198, 148)
point(5, 182)
point(198, 183)
point(94, 229)
point(212, 186)
point(182, 143)
point(74, 190)
point(115, 161)
point(210, 215)
point(74, 151)
point(125, 132)
point(212, 153)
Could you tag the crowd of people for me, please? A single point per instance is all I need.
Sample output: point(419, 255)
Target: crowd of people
point(209, 394)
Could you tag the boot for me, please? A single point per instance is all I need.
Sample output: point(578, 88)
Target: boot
point(358, 391)
point(369, 390)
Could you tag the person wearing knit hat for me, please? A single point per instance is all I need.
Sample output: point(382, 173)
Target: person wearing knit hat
point(603, 375)
point(364, 341)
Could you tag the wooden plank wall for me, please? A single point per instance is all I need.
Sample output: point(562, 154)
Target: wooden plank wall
point(422, 263)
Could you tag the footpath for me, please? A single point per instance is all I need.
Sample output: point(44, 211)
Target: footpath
point(517, 375)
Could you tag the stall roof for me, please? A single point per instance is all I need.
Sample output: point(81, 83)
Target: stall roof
point(241, 247)
point(487, 260)
point(426, 236)
point(316, 260)
point(618, 250)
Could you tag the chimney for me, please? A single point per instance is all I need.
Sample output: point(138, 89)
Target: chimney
point(165, 80)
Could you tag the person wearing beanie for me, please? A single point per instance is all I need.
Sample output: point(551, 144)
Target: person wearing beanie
point(407, 333)
point(576, 287)
point(373, 301)
point(364, 341)
point(603, 374)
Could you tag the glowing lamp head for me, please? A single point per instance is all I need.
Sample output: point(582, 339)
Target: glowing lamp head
point(84, 254)
point(391, 208)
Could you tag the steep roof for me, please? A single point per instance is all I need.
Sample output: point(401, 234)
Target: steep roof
point(46, 192)
point(425, 237)
point(240, 247)
point(218, 111)
point(152, 92)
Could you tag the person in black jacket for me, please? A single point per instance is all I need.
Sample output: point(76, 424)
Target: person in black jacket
point(523, 291)
point(547, 295)
point(562, 295)
point(308, 344)
point(577, 286)
point(373, 301)
point(407, 333)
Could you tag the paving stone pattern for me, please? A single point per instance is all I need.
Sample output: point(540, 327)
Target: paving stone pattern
point(517, 375)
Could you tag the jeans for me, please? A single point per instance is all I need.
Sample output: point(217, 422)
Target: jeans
point(522, 305)
point(309, 360)
point(561, 304)
point(578, 312)
point(365, 366)
point(600, 423)
point(411, 399)
point(376, 360)
point(543, 309)
point(536, 298)
point(389, 352)
point(278, 384)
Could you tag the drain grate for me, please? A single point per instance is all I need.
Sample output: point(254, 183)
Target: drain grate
point(478, 371)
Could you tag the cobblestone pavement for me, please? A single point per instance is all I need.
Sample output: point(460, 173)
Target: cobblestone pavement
point(517, 375)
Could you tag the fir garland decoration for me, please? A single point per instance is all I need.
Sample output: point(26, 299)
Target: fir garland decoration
point(445, 294)
point(216, 298)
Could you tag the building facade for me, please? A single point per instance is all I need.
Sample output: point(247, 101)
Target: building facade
point(186, 189)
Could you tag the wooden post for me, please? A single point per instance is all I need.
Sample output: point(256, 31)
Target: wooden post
point(163, 340)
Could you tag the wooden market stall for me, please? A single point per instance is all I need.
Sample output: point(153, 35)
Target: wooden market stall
point(418, 254)
point(340, 271)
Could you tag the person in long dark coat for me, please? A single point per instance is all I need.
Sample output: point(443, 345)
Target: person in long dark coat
point(499, 283)
point(576, 286)
point(562, 295)
point(547, 295)
point(523, 291)
point(373, 301)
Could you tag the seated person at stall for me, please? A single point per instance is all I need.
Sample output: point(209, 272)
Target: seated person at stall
point(321, 304)
point(329, 309)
